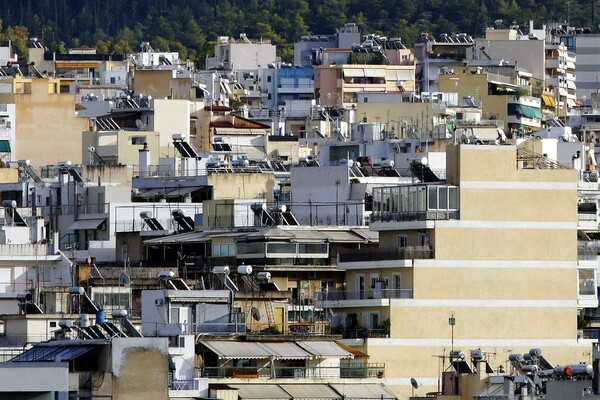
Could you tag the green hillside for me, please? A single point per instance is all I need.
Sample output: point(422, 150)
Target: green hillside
point(191, 26)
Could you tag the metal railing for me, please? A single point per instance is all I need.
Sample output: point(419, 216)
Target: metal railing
point(336, 295)
point(364, 333)
point(414, 216)
point(186, 384)
point(369, 370)
point(406, 253)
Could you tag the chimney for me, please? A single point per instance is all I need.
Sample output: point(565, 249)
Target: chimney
point(144, 160)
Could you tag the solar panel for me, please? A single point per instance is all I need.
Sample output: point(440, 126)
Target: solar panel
point(289, 218)
point(76, 176)
point(462, 367)
point(52, 353)
point(154, 224)
point(185, 149)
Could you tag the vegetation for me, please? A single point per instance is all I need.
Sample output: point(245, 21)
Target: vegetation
point(192, 26)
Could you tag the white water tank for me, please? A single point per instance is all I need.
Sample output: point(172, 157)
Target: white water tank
point(244, 269)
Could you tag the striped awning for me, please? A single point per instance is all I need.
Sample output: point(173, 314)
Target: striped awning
point(324, 349)
point(548, 100)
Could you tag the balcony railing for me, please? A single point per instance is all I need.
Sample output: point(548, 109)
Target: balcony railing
point(188, 384)
point(406, 253)
point(336, 295)
point(369, 370)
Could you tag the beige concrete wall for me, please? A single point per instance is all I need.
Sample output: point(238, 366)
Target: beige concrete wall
point(143, 376)
point(161, 84)
point(242, 186)
point(108, 173)
point(9, 175)
point(46, 128)
point(171, 116)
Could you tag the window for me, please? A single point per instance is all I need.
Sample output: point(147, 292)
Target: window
point(113, 80)
point(423, 239)
point(402, 241)
point(374, 280)
point(2, 328)
point(52, 324)
point(372, 320)
point(587, 283)
point(269, 96)
point(268, 79)
point(360, 286)
point(365, 99)
point(138, 140)
point(396, 281)
point(223, 250)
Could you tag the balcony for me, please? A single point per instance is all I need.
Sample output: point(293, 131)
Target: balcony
point(337, 295)
point(414, 203)
point(406, 253)
point(368, 370)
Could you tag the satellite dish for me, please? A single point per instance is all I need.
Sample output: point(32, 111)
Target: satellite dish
point(414, 383)
point(255, 313)
point(424, 161)
point(140, 125)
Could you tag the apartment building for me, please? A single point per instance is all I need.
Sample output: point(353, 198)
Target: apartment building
point(487, 260)
point(42, 115)
point(505, 96)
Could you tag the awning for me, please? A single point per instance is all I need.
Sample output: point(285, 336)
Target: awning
point(170, 193)
point(4, 146)
point(571, 85)
point(571, 103)
point(308, 236)
point(375, 72)
point(366, 392)
point(310, 392)
point(236, 350)
point(188, 237)
point(399, 75)
point(87, 224)
point(525, 111)
point(548, 100)
point(286, 351)
point(358, 355)
point(53, 353)
point(263, 392)
point(324, 349)
point(562, 92)
point(343, 237)
point(354, 72)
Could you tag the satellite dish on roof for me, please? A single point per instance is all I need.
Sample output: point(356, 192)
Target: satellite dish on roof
point(414, 383)
point(255, 313)
point(140, 125)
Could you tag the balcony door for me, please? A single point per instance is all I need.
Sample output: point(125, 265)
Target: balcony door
point(360, 286)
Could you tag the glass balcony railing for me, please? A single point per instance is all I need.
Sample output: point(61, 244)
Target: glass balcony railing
point(415, 203)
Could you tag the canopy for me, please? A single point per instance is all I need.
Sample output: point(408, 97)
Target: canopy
point(365, 392)
point(87, 223)
point(324, 349)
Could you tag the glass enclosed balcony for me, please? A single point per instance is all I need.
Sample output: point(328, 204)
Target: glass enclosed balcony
point(415, 203)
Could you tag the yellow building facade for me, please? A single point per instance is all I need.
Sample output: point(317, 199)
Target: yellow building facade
point(47, 129)
point(494, 248)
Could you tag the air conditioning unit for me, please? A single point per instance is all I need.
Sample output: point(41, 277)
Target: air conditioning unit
point(159, 302)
